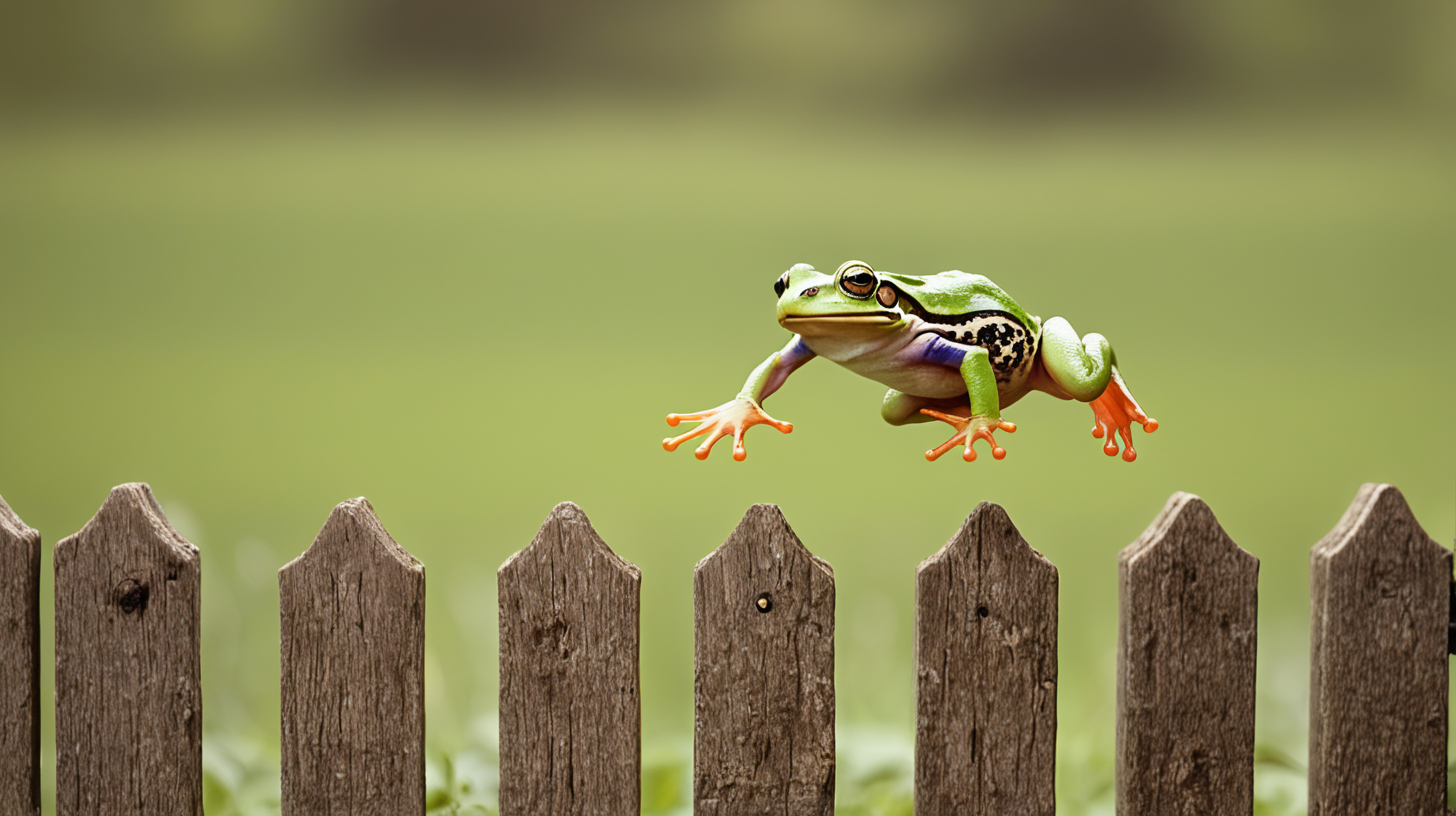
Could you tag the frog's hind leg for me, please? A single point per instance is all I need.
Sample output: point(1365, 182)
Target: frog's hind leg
point(1085, 368)
point(900, 408)
point(1081, 366)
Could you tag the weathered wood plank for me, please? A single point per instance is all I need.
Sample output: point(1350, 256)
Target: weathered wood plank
point(570, 709)
point(19, 665)
point(986, 674)
point(353, 689)
point(1188, 603)
point(128, 683)
point(1380, 592)
point(764, 674)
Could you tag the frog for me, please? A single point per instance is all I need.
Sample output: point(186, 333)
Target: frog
point(952, 347)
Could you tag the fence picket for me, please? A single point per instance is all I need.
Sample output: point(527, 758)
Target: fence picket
point(352, 611)
point(1188, 601)
point(570, 708)
point(128, 684)
point(19, 665)
point(986, 673)
point(763, 674)
point(1380, 593)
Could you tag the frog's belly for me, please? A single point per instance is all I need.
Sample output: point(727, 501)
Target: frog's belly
point(1011, 350)
point(906, 374)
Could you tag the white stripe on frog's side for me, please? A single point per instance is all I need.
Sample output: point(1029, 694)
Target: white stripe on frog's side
point(1011, 347)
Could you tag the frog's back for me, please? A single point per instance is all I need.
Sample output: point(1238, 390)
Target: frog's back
point(970, 310)
point(942, 298)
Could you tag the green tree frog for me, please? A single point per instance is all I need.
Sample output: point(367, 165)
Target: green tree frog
point(951, 347)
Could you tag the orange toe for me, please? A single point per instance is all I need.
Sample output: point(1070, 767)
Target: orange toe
point(1114, 414)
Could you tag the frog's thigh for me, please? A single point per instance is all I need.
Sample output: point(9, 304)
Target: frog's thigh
point(1082, 366)
point(900, 408)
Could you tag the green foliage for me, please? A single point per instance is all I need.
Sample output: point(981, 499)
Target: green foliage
point(239, 777)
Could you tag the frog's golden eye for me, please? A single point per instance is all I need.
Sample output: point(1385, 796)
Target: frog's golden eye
point(858, 282)
point(886, 295)
point(781, 284)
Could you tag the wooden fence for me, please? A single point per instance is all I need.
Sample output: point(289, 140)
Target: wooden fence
point(128, 701)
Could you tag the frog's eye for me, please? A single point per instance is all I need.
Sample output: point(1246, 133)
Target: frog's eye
point(858, 282)
point(781, 284)
point(886, 295)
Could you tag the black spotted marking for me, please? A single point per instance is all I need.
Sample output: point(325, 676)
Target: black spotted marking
point(1008, 344)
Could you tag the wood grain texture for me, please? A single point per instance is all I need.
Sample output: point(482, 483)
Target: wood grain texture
point(1380, 592)
point(570, 709)
point(986, 674)
point(764, 675)
point(128, 684)
point(19, 665)
point(353, 690)
point(1187, 626)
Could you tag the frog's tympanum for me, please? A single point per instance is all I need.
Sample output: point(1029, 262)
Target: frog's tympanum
point(952, 347)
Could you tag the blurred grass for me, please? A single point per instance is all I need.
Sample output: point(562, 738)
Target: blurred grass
point(470, 314)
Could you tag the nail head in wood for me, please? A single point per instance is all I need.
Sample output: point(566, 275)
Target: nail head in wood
point(764, 674)
point(986, 673)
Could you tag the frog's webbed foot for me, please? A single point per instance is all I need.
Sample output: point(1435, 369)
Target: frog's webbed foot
point(734, 418)
point(1115, 412)
point(968, 430)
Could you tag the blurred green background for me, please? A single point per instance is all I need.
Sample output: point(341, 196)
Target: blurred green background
point(461, 258)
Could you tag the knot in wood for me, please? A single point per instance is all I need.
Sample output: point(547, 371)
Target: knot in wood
point(131, 595)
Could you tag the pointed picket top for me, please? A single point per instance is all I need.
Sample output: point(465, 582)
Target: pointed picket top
point(20, 699)
point(1380, 595)
point(764, 532)
point(1376, 517)
point(130, 517)
point(1186, 647)
point(986, 673)
point(352, 610)
point(570, 700)
point(1185, 521)
point(128, 663)
point(763, 687)
point(11, 525)
point(988, 524)
point(568, 531)
point(353, 530)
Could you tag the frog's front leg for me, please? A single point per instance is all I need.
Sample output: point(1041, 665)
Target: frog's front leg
point(743, 412)
point(982, 412)
point(1086, 369)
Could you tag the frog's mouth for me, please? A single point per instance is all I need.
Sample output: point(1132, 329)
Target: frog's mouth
point(846, 319)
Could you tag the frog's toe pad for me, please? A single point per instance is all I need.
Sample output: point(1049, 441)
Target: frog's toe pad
point(968, 430)
point(732, 418)
point(1113, 415)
